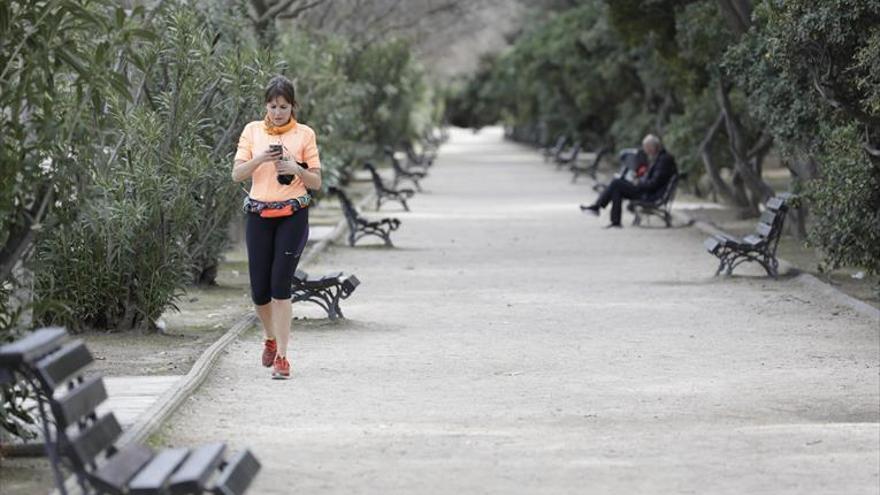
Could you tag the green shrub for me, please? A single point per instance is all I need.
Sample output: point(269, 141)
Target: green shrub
point(155, 216)
point(846, 203)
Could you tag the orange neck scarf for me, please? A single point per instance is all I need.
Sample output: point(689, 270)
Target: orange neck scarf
point(274, 130)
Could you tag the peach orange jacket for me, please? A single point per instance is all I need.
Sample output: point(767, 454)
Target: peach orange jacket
point(299, 143)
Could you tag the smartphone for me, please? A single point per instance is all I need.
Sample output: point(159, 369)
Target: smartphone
point(276, 148)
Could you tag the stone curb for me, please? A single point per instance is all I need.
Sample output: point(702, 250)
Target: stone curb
point(151, 419)
point(806, 279)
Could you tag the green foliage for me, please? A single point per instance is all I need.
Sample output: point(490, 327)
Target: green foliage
point(474, 101)
point(686, 130)
point(569, 73)
point(357, 98)
point(810, 70)
point(118, 130)
point(328, 99)
point(59, 62)
point(846, 201)
point(154, 217)
point(59, 65)
point(391, 86)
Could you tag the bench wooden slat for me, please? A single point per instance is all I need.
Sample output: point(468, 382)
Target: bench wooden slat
point(753, 240)
point(81, 401)
point(114, 475)
point(330, 277)
point(32, 346)
point(154, 476)
point(349, 283)
point(197, 469)
point(775, 203)
point(711, 244)
point(764, 230)
point(96, 438)
point(238, 474)
point(67, 362)
point(6, 377)
point(768, 217)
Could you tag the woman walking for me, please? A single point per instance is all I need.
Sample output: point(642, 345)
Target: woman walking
point(280, 156)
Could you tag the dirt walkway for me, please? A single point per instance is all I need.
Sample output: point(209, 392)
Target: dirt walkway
point(511, 345)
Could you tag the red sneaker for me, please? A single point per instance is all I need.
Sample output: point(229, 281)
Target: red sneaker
point(281, 368)
point(269, 350)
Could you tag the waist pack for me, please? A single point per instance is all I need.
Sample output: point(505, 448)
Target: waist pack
point(276, 209)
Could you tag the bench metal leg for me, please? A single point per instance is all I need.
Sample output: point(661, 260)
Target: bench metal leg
point(328, 298)
point(385, 236)
point(637, 219)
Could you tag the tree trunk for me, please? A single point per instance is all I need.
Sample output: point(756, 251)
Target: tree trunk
point(758, 189)
point(21, 236)
point(712, 169)
point(801, 171)
point(738, 14)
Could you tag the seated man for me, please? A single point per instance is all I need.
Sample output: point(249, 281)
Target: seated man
point(648, 187)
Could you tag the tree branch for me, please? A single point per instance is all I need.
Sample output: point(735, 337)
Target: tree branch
point(299, 10)
point(871, 150)
point(21, 236)
point(274, 10)
point(711, 168)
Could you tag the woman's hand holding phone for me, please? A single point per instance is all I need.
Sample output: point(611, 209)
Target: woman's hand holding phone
point(274, 152)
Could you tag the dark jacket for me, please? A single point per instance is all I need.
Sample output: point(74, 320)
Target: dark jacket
point(661, 172)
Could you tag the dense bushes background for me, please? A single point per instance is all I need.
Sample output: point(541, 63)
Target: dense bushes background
point(118, 129)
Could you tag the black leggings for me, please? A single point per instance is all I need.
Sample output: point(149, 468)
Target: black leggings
point(274, 246)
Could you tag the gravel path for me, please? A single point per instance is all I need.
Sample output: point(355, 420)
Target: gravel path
point(509, 344)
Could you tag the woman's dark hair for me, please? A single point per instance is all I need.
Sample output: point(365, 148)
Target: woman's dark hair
point(281, 86)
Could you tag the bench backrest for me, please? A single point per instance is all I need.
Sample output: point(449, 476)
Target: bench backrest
point(77, 439)
point(54, 365)
point(630, 158)
point(376, 178)
point(348, 209)
point(395, 163)
point(668, 195)
point(771, 222)
point(600, 153)
point(559, 146)
point(575, 150)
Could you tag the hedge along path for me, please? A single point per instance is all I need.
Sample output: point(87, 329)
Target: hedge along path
point(168, 402)
point(509, 344)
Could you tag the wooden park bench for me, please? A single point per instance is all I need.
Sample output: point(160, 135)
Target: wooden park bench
point(759, 246)
point(552, 152)
point(569, 158)
point(589, 169)
point(325, 291)
point(359, 226)
point(413, 174)
point(384, 193)
point(660, 207)
point(80, 442)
